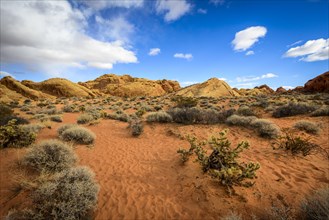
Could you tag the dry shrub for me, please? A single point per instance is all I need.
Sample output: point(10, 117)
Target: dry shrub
point(85, 118)
point(244, 121)
point(162, 117)
point(136, 126)
point(266, 128)
point(307, 126)
point(245, 111)
point(50, 156)
point(292, 109)
point(316, 206)
point(323, 111)
point(64, 127)
point(79, 135)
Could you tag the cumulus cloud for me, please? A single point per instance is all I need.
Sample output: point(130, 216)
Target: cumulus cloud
point(221, 78)
point(288, 87)
point(100, 5)
point(3, 74)
point(172, 9)
point(312, 50)
point(51, 35)
point(248, 37)
point(251, 78)
point(186, 56)
point(250, 52)
point(154, 51)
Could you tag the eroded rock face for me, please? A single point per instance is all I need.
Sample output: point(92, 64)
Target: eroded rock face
point(210, 88)
point(127, 86)
point(280, 90)
point(318, 84)
point(60, 88)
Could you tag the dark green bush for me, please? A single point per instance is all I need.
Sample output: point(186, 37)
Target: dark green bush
point(50, 156)
point(19, 120)
point(12, 135)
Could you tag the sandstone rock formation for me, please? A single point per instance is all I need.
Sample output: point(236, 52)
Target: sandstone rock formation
point(280, 90)
point(318, 84)
point(127, 86)
point(60, 88)
point(210, 88)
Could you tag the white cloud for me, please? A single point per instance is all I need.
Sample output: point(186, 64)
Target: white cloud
point(288, 87)
point(217, 2)
point(251, 78)
point(224, 79)
point(245, 85)
point(49, 36)
point(154, 51)
point(100, 5)
point(312, 50)
point(250, 52)
point(173, 9)
point(202, 11)
point(3, 74)
point(187, 56)
point(248, 37)
point(116, 29)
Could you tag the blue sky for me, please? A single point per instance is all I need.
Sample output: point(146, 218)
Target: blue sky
point(246, 43)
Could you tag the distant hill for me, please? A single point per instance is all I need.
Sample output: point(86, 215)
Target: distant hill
point(210, 88)
point(128, 86)
point(318, 84)
point(60, 88)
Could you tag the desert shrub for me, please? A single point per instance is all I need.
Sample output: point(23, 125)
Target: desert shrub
point(244, 121)
point(316, 206)
point(56, 118)
point(5, 110)
point(136, 126)
point(193, 115)
point(63, 128)
point(34, 128)
point(70, 194)
point(85, 118)
point(232, 216)
point(292, 109)
point(69, 108)
point(12, 135)
point(307, 126)
point(50, 156)
point(245, 111)
point(224, 114)
point(18, 120)
point(266, 128)
point(25, 108)
point(161, 117)
point(78, 135)
point(222, 163)
point(295, 144)
point(185, 102)
point(323, 111)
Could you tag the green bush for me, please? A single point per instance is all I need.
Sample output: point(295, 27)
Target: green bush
point(12, 135)
point(79, 135)
point(307, 126)
point(162, 117)
point(50, 156)
point(70, 194)
point(222, 163)
point(85, 118)
point(19, 120)
point(292, 109)
point(185, 102)
point(295, 144)
point(316, 206)
point(266, 128)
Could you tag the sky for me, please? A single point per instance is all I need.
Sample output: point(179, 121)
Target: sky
point(246, 43)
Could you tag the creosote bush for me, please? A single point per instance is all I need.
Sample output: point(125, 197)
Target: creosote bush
point(13, 135)
point(50, 156)
point(316, 206)
point(307, 126)
point(70, 194)
point(292, 109)
point(161, 116)
point(222, 163)
point(79, 135)
point(295, 144)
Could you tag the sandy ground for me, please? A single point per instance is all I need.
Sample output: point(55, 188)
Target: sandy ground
point(143, 178)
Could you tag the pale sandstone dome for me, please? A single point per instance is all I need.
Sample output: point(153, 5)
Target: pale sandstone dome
point(210, 88)
point(127, 86)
